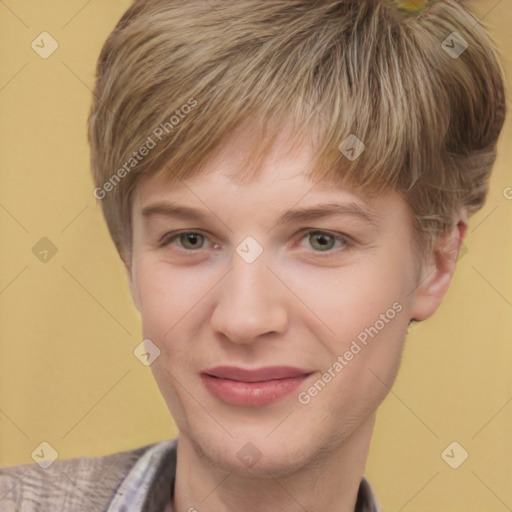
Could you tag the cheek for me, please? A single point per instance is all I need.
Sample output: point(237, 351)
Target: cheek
point(173, 303)
point(350, 298)
point(166, 294)
point(364, 312)
point(373, 323)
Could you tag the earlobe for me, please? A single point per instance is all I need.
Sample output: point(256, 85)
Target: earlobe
point(437, 274)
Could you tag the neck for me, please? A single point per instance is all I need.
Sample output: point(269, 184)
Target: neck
point(328, 480)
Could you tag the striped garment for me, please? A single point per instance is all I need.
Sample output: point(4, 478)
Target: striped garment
point(139, 480)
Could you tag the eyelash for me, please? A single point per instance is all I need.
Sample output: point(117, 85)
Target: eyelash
point(345, 240)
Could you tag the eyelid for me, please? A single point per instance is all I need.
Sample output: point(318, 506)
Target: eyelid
point(346, 240)
point(335, 234)
point(169, 237)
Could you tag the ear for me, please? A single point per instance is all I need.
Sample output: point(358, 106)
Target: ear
point(438, 272)
point(132, 282)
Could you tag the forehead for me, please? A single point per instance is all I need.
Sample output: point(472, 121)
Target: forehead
point(286, 157)
point(233, 163)
point(282, 178)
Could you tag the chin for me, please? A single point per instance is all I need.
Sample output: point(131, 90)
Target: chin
point(252, 454)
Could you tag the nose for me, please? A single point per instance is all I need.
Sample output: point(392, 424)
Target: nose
point(250, 302)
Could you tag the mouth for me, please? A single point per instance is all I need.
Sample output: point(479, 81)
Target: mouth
point(253, 387)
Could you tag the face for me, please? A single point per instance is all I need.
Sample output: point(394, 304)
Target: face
point(315, 308)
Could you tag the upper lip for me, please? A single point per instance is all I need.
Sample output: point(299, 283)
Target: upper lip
point(257, 374)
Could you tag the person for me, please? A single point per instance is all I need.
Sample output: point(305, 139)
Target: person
point(322, 159)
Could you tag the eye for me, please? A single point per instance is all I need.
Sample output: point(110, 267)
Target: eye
point(324, 241)
point(321, 241)
point(189, 240)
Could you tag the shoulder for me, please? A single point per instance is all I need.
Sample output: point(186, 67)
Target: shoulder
point(80, 483)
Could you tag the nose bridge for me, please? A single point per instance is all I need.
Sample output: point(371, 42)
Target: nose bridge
point(249, 304)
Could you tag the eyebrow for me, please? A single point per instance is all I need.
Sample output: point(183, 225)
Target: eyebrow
point(316, 212)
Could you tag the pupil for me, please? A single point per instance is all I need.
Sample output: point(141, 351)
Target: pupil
point(322, 239)
point(191, 237)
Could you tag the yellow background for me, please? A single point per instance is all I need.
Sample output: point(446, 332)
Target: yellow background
point(68, 329)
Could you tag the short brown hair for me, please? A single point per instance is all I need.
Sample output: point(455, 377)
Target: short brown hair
point(422, 89)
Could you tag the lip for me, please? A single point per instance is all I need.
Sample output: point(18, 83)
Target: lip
point(253, 387)
point(255, 375)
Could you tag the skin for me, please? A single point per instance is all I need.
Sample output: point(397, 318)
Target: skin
point(300, 303)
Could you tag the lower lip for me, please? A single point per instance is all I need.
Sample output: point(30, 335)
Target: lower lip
point(251, 393)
